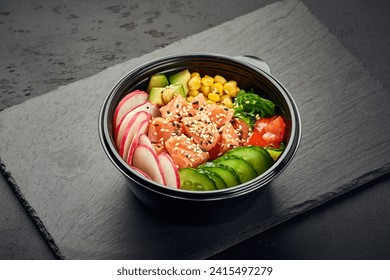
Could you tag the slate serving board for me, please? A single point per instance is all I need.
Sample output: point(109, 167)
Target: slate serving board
point(50, 144)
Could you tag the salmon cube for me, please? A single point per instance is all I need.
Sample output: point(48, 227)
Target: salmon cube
point(184, 152)
point(198, 101)
point(229, 138)
point(201, 130)
point(219, 114)
point(177, 108)
point(161, 130)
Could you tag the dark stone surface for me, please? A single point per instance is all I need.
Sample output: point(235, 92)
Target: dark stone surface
point(54, 43)
point(31, 67)
point(351, 227)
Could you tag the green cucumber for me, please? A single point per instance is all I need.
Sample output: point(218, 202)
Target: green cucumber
point(219, 182)
point(258, 160)
point(243, 169)
point(265, 153)
point(227, 173)
point(191, 179)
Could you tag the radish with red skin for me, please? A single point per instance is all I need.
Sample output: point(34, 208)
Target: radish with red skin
point(130, 101)
point(145, 159)
point(170, 171)
point(141, 172)
point(144, 140)
point(142, 129)
point(131, 131)
point(121, 127)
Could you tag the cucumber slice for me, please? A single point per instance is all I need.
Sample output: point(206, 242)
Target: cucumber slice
point(243, 169)
point(219, 182)
point(259, 161)
point(265, 153)
point(227, 173)
point(191, 179)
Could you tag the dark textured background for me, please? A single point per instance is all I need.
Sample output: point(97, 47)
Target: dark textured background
point(48, 44)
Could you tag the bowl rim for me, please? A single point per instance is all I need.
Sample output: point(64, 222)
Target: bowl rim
point(258, 182)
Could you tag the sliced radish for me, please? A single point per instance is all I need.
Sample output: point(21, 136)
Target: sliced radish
point(145, 159)
point(142, 129)
point(144, 140)
point(121, 127)
point(130, 132)
point(130, 101)
point(141, 172)
point(170, 171)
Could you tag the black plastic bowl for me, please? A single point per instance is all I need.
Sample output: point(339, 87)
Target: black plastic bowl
point(209, 206)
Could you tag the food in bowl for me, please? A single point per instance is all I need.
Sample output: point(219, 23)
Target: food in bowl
point(197, 132)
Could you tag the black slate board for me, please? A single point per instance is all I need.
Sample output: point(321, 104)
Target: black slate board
point(50, 144)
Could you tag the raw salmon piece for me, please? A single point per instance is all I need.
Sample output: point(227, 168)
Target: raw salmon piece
point(201, 130)
point(241, 128)
point(219, 114)
point(177, 108)
point(159, 148)
point(184, 152)
point(229, 138)
point(198, 101)
point(161, 130)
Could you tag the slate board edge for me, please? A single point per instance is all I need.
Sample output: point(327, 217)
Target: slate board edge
point(31, 211)
point(302, 208)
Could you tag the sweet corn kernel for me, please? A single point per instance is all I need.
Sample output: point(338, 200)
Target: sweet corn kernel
point(195, 74)
point(189, 98)
point(227, 102)
point(194, 83)
point(207, 80)
point(193, 93)
point(208, 101)
point(226, 96)
point(214, 96)
point(219, 79)
point(205, 89)
point(230, 88)
point(217, 88)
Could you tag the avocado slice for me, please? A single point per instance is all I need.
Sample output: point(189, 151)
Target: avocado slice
point(171, 91)
point(162, 95)
point(155, 96)
point(157, 80)
point(275, 153)
point(182, 78)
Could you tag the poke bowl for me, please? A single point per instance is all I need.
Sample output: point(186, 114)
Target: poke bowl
point(199, 133)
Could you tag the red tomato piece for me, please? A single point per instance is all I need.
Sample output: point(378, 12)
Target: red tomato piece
point(268, 132)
